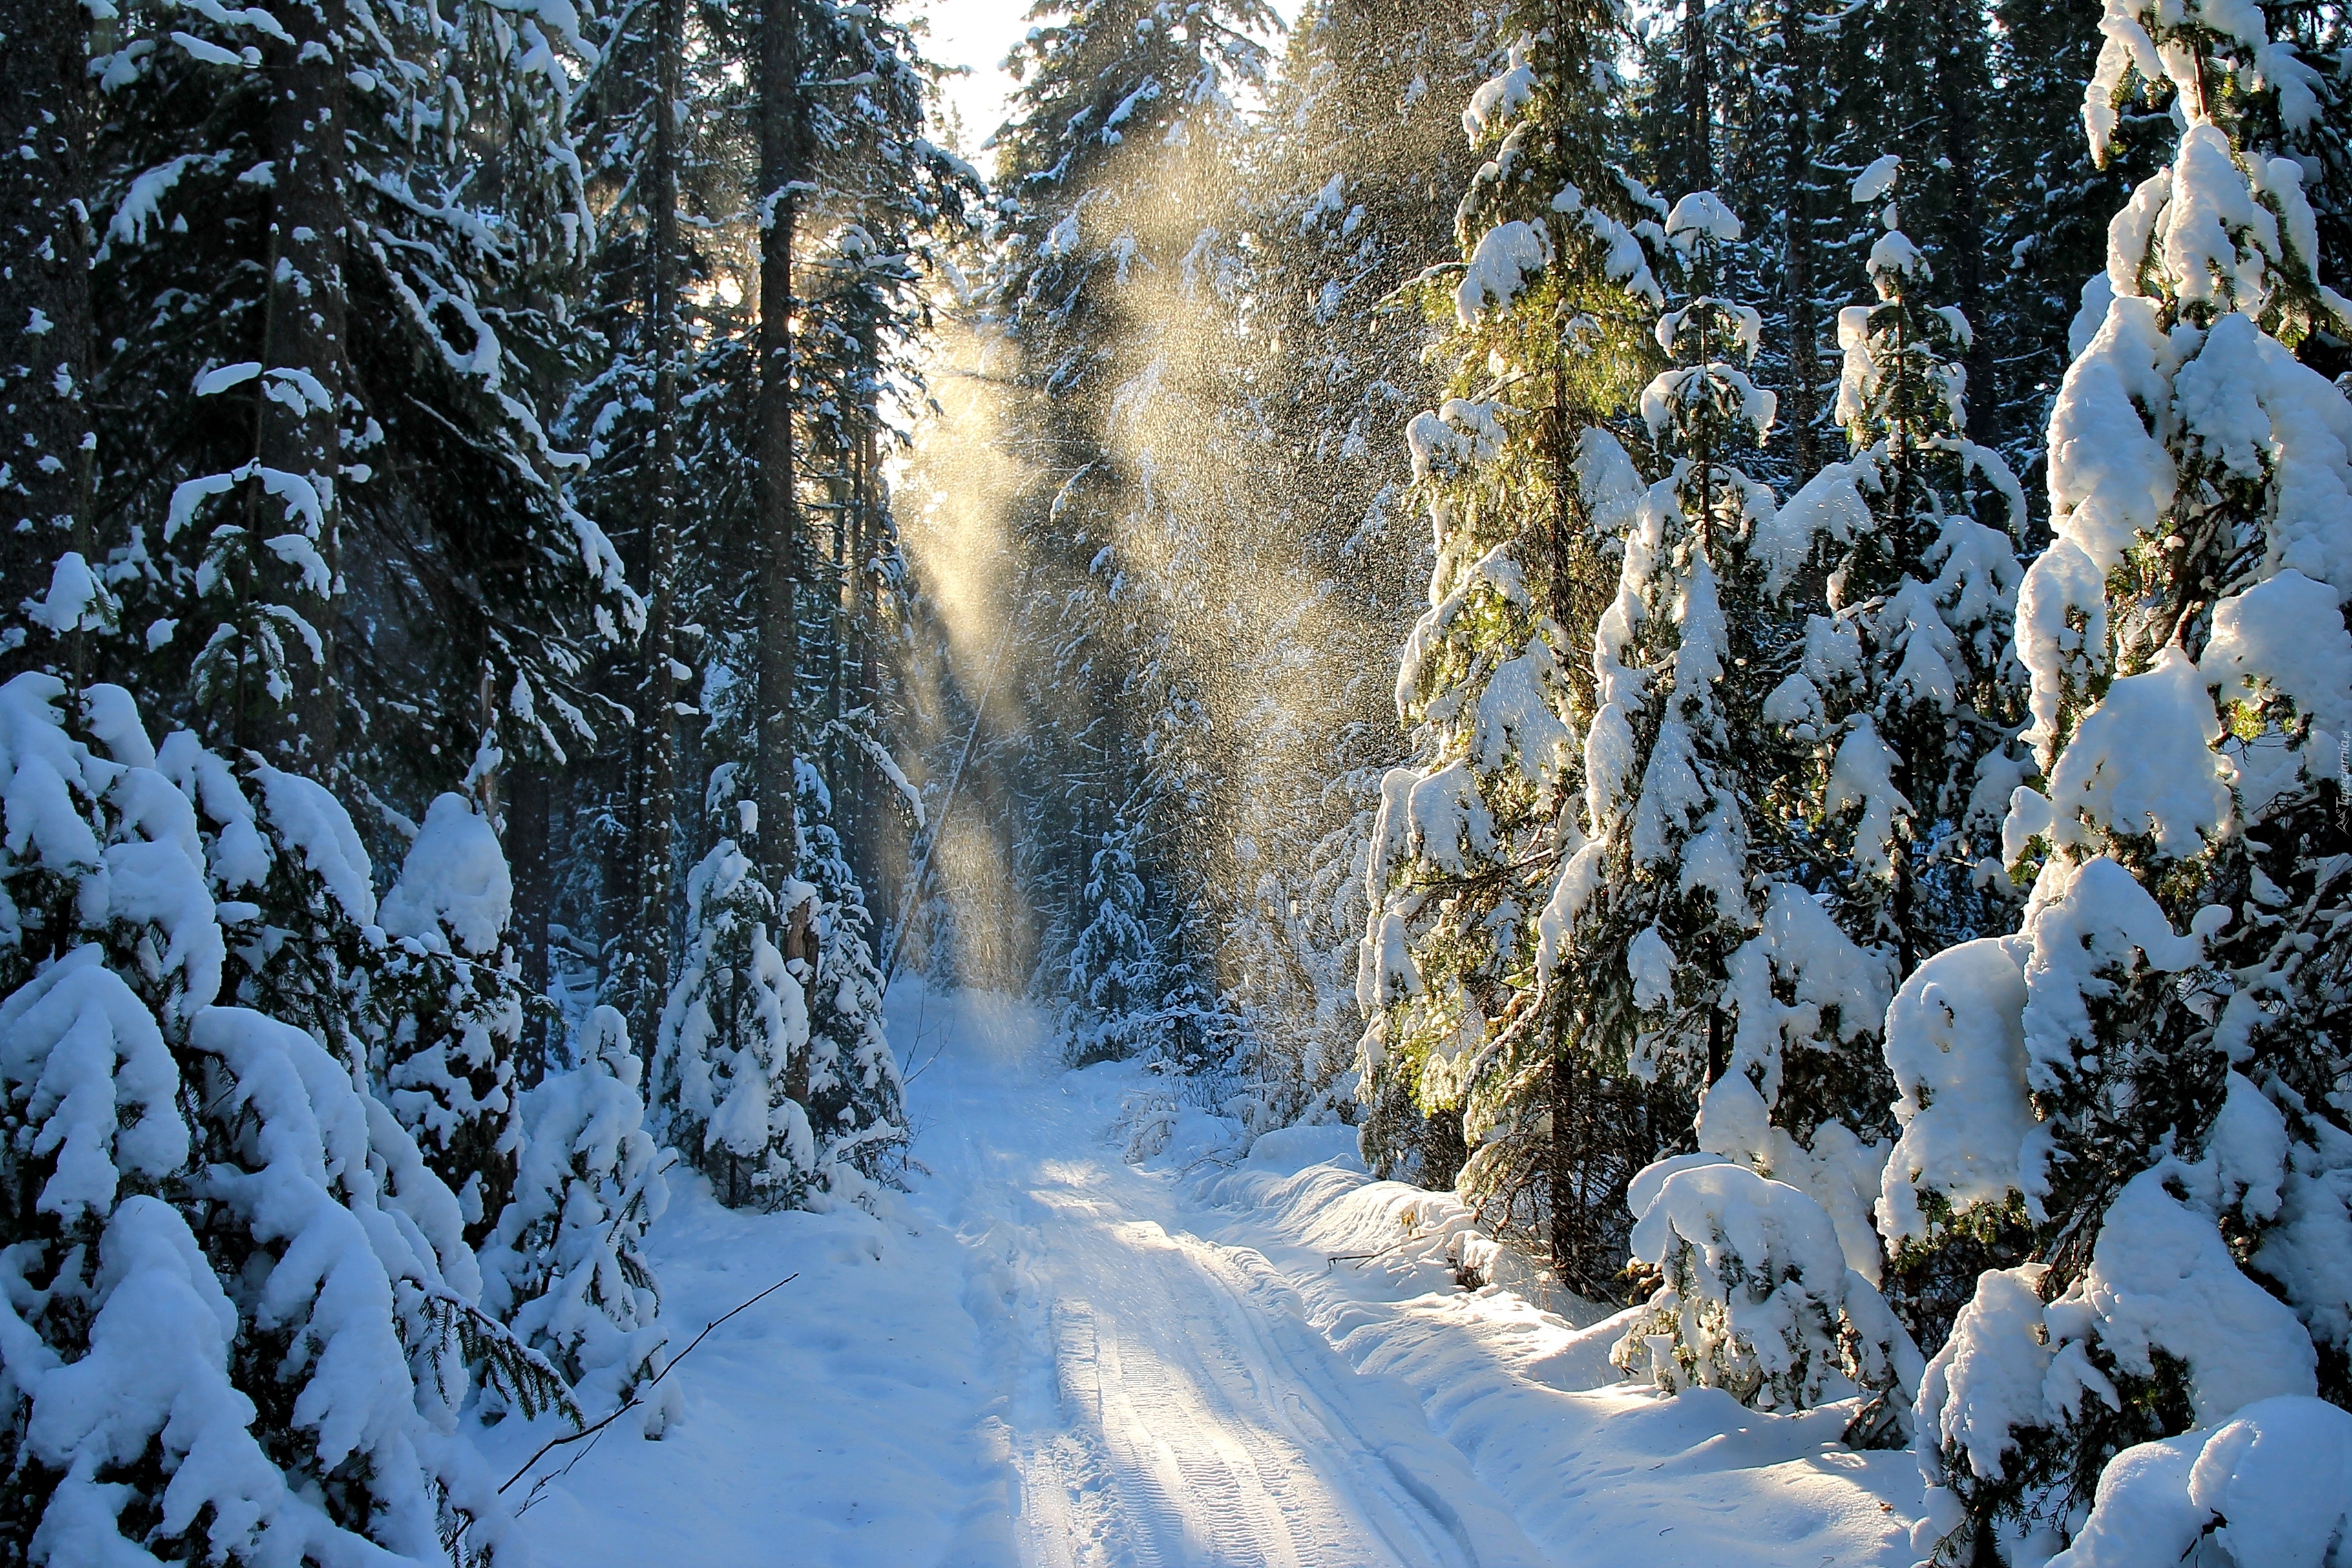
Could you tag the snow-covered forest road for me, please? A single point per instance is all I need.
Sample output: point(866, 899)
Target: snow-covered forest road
point(1168, 1401)
point(1054, 1357)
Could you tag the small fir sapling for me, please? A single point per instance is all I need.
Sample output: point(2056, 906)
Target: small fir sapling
point(731, 1069)
point(856, 1100)
point(566, 1266)
point(450, 1008)
point(1114, 966)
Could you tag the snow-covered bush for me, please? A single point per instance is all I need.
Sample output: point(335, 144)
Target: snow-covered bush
point(2031, 1396)
point(732, 1070)
point(238, 1312)
point(566, 1266)
point(1755, 1298)
point(449, 1005)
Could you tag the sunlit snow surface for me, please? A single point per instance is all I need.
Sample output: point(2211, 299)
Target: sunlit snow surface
point(1048, 1355)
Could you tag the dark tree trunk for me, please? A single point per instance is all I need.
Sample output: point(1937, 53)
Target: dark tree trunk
point(838, 622)
point(1698, 64)
point(875, 819)
point(1796, 182)
point(1957, 62)
point(779, 660)
point(657, 784)
point(303, 337)
point(46, 455)
point(534, 889)
point(1566, 1204)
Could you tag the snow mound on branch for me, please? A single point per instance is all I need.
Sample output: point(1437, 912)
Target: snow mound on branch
point(1956, 1045)
point(1500, 96)
point(1701, 216)
point(1878, 179)
point(1506, 256)
point(310, 819)
point(97, 1085)
point(1840, 1172)
point(1836, 989)
point(2273, 1488)
point(1451, 827)
point(2162, 1281)
point(2143, 763)
point(1827, 507)
point(454, 889)
point(2110, 479)
point(2099, 921)
point(2287, 636)
point(2248, 401)
point(1991, 1378)
point(1517, 727)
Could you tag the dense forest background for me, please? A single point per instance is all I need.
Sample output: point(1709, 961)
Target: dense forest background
point(1534, 579)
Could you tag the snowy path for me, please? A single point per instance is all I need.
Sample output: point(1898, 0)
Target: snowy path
point(1167, 1401)
point(1048, 1357)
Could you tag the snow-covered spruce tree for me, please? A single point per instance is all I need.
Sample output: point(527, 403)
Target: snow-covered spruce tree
point(1909, 694)
point(1749, 101)
point(1929, 98)
point(626, 416)
point(566, 1266)
point(732, 1070)
point(1546, 310)
point(239, 1313)
point(1348, 206)
point(447, 1007)
point(1913, 736)
point(1114, 967)
point(1692, 955)
point(2149, 1075)
point(1646, 934)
